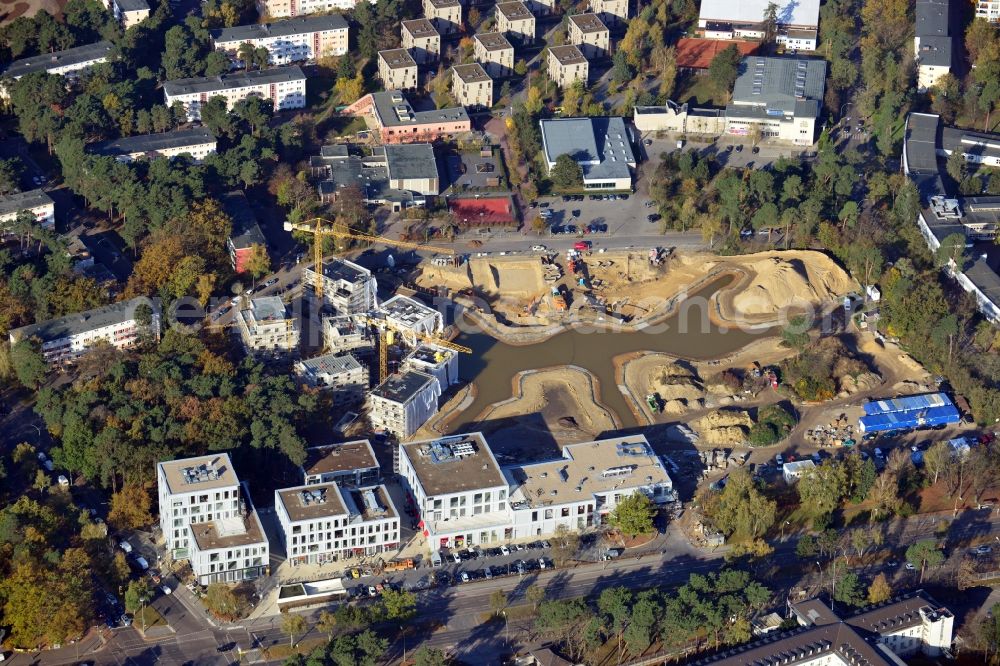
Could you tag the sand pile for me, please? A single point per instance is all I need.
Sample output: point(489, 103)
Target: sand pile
point(678, 406)
point(729, 436)
point(723, 418)
point(516, 277)
point(864, 382)
point(790, 279)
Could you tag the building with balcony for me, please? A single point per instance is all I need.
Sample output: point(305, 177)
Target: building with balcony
point(588, 32)
point(297, 39)
point(341, 374)
point(471, 86)
point(446, 15)
point(283, 8)
point(932, 42)
point(284, 86)
point(347, 287)
point(65, 338)
point(267, 328)
point(435, 361)
point(394, 118)
point(36, 203)
point(403, 403)
point(516, 21)
point(397, 69)
point(195, 490)
point(229, 550)
point(422, 40)
point(988, 10)
point(196, 142)
point(495, 53)
point(566, 65)
point(348, 464)
point(411, 318)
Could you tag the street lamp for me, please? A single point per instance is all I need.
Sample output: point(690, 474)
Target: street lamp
point(842, 107)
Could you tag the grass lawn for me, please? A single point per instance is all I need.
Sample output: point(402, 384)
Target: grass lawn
point(283, 650)
point(148, 618)
point(699, 90)
point(521, 612)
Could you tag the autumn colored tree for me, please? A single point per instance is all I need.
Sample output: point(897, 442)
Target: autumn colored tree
point(130, 508)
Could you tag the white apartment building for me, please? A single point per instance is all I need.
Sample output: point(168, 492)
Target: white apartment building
point(67, 63)
point(611, 11)
point(495, 53)
point(446, 15)
point(325, 523)
point(566, 65)
point(409, 317)
point(403, 403)
point(65, 338)
point(197, 142)
point(580, 489)
point(267, 328)
point(348, 464)
point(345, 378)
point(284, 86)
point(347, 287)
point(397, 69)
point(229, 550)
point(35, 202)
point(194, 490)
point(588, 32)
point(422, 40)
point(128, 12)
point(989, 10)
point(283, 8)
point(293, 40)
point(515, 20)
point(798, 21)
point(471, 86)
point(458, 490)
point(434, 361)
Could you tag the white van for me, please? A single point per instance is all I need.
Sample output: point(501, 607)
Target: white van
point(126, 546)
point(436, 559)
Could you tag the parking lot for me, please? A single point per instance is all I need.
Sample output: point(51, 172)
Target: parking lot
point(625, 214)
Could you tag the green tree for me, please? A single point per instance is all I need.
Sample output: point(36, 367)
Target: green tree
point(293, 625)
point(401, 605)
point(498, 601)
point(327, 623)
point(566, 174)
point(937, 459)
point(534, 595)
point(849, 590)
point(806, 547)
point(222, 601)
point(130, 508)
point(822, 489)
point(723, 69)
point(951, 250)
point(565, 543)
point(796, 333)
point(137, 594)
point(29, 365)
point(741, 511)
point(925, 554)
point(428, 656)
point(634, 515)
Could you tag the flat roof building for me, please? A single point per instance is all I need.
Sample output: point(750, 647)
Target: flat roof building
point(341, 374)
point(407, 315)
point(422, 40)
point(190, 490)
point(396, 121)
point(284, 86)
point(567, 65)
point(267, 328)
point(230, 549)
point(781, 97)
point(403, 402)
point(472, 86)
point(197, 142)
point(346, 464)
point(601, 146)
point(446, 15)
point(588, 32)
point(296, 39)
point(435, 361)
point(33, 202)
point(65, 338)
point(397, 69)
point(515, 20)
point(347, 287)
point(401, 174)
point(494, 52)
point(611, 11)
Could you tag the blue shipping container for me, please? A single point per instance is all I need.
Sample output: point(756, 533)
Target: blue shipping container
point(907, 403)
point(918, 418)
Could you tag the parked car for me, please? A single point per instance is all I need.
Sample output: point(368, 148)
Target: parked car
point(165, 589)
point(538, 248)
point(270, 283)
point(465, 577)
point(126, 546)
point(504, 550)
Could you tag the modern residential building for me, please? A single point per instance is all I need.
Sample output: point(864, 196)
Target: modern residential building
point(880, 635)
point(195, 490)
point(323, 523)
point(128, 12)
point(348, 464)
point(446, 15)
point(402, 175)
point(197, 142)
point(601, 146)
point(580, 489)
point(435, 361)
point(516, 21)
point(494, 52)
point(988, 10)
point(284, 86)
point(541, 7)
point(34, 202)
point(68, 63)
point(611, 11)
point(396, 121)
point(422, 40)
point(408, 317)
point(566, 65)
point(798, 21)
point(588, 32)
point(779, 97)
point(117, 325)
point(229, 550)
point(347, 333)
point(267, 328)
point(283, 8)
point(397, 69)
point(293, 40)
point(403, 403)
point(458, 490)
point(471, 86)
point(932, 44)
point(347, 287)
point(342, 373)
point(246, 232)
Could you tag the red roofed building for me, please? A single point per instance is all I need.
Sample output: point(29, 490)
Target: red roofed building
point(695, 53)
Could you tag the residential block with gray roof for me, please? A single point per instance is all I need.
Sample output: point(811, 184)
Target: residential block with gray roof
point(284, 86)
point(117, 325)
point(351, 464)
point(588, 32)
point(780, 98)
point(197, 142)
point(932, 42)
point(340, 374)
point(397, 69)
point(33, 202)
point(566, 65)
point(515, 20)
point(67, 63)
point(472, 86)
point(347, 287)
point(601, 146)
point(494, 52)
point(403, 402)
point(293, 40)
point(422, 40)
point(446, 15)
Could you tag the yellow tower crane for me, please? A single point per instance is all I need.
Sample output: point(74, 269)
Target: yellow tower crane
point(321, 227)
point(386, 329)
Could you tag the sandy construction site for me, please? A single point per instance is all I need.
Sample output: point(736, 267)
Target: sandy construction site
point(521, 289)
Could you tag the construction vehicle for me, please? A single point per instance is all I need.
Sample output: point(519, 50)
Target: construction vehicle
point(399, 565)
point(386, 338)
point(653, 400)
point(316, 226)
point(558, 301)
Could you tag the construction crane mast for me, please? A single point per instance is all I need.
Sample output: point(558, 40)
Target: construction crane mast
point(321, 227)
point(385, 327)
